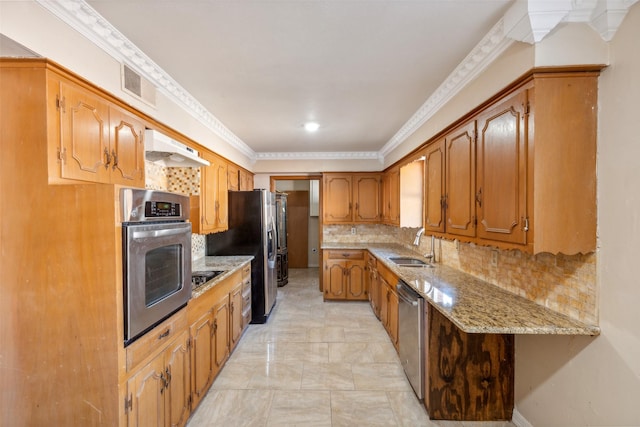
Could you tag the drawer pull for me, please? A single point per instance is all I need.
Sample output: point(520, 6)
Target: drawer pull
point(164, 334)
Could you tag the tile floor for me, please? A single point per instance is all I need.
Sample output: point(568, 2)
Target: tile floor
point(315, 363)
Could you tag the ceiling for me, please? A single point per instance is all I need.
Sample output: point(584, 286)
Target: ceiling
point(359, 68)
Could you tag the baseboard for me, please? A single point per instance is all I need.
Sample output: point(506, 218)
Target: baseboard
point(519, 420)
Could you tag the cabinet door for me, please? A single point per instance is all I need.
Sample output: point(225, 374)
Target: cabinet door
point(246, 181)
point(236, 314)
point(336, 200)
point(501, 185)
point(356, 284)
point(222, 200)
point(460, 180)
point(146, 390)
point(384, 302)
point(366, 198)
point(177, 370)
point(127, 149)
point(394, 196)
point(213, 197)
point(233, 180)
point(334, 279)
point(202, 357)
point(221, 332)
point(374, 291)
point(84, 134)
point(434, 188)
point(392, 320)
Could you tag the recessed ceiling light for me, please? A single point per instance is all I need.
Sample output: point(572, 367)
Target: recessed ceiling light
point(311, 126)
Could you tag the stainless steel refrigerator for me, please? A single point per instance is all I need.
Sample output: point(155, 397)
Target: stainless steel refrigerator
point(252, 231)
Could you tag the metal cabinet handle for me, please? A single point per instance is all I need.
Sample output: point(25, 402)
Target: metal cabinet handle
point(107, 158)
point(164, 334)
point(479, 197)
point(114, 156)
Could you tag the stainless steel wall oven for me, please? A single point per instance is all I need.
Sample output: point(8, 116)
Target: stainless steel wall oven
point(156, 239)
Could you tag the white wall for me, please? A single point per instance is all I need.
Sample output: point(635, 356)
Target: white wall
point(578, 381)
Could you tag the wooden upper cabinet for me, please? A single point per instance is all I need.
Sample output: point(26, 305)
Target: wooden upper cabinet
point(391, 196)
point(351, 198)
point(434, 187)
point(561, 136)
point(84, 137)
point(460, 180)
point(366, 197)
point(213, 195)
point(222, 207)
point(233, 177)
point(127, 147)
point(246, 180)
point(337, 198)
point(501, 187)
point(99, 141)
point(521, 173)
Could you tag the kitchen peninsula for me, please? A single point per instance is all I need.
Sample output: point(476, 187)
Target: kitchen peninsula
point(469, 332)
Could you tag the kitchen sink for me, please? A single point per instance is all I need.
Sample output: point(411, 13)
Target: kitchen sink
point(409, 262)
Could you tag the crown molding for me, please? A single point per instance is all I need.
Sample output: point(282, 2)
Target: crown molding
point(532, 20)
point(84, 19)
point(337, 155)
point(482, 55)
point(528, 21)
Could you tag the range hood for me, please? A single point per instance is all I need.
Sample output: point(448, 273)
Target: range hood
point(161, 149)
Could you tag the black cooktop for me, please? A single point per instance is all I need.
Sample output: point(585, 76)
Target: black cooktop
point(199, 278)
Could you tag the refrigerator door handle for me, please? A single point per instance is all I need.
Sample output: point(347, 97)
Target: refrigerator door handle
point(271, 255)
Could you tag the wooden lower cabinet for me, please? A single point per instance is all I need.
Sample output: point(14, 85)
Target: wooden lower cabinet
point(210, 341)
point(468, 377)
point(344, 275)
point(216, 324)
point(235, 315)
point(158, 393)
point(202, 361)
point(388, 302)
point(372, 282)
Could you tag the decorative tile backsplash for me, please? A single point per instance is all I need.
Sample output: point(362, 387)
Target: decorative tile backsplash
point(562, 283)
point(177, 180)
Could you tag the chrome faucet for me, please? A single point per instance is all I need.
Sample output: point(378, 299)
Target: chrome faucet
point(432, 256)
point(416, 241)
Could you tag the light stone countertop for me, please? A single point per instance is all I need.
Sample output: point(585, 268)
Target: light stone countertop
point(473, 305)
point(228, 264)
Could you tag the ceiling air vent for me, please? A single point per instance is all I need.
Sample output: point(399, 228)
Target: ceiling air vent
point(138, 86)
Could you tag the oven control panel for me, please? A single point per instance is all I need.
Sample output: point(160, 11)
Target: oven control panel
point(157, 209)
point(138, 205)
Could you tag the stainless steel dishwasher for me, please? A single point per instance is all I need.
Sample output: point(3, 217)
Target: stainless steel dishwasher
point(411, 335)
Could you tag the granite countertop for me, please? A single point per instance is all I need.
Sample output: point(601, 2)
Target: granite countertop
point(473, 305)
point(228, 264)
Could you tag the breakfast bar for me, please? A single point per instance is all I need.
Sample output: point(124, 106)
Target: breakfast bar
point(469, 328)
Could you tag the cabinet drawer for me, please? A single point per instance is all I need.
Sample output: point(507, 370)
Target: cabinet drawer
point(246, 315)
point(246, 300)
point(246, 271)
point(156, 339)
point(345, 254)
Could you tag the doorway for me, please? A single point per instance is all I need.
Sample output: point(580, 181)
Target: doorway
point(303, 229)
point(298, 228)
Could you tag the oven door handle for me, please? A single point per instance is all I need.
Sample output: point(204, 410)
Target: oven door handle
point(156, 233)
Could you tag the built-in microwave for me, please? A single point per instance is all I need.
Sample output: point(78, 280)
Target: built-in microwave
point(156, 240)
